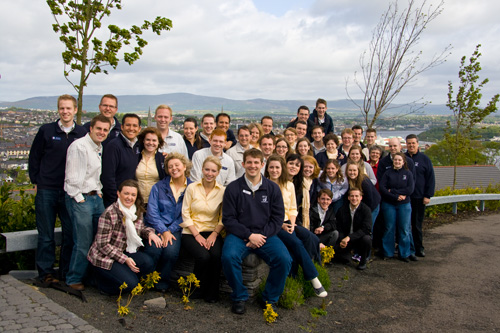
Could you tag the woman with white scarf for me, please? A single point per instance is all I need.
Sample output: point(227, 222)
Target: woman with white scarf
point(116, 253)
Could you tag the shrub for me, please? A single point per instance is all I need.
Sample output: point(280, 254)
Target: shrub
point(16, 215)
point(293, 294)
point(434, 210)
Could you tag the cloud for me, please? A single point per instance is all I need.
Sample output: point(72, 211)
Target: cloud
point(234, 49)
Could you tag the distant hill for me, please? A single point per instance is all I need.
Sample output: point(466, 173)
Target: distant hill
point(190, 103)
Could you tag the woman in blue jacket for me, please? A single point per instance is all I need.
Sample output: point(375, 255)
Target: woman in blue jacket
point(165, 215)
point(396, 186)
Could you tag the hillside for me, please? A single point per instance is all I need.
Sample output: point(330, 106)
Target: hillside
point(190, 103)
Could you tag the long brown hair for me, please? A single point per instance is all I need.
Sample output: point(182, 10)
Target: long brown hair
point(139, 201)
point(283, 178)
point(359, 180)
point(339, 177)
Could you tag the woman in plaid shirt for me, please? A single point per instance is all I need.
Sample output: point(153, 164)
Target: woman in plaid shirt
point(120, 233)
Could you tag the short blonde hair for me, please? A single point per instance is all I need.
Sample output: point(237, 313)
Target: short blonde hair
point(164, 106)
point(180, 157)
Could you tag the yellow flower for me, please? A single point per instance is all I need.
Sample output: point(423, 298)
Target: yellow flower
point(137, 290)
point(123, 310)
point(269, 314)
point(123, 286)
point(150, 280)
point(327, 254)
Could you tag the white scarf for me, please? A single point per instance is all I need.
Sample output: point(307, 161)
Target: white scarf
point(133, 239)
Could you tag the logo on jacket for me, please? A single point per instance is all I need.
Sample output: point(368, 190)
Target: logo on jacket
point(416, 164)
point(56, 138)
point(404, 177)
point(264, 199)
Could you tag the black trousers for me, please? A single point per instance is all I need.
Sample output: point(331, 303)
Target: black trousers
point(417, 219)
point(207, 266)
point(361, 245)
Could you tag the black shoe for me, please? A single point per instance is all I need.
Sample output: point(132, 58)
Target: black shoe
point(404, 259)
point(420, 254)
point(412, 257)
point(362, 265)
point(239, 307)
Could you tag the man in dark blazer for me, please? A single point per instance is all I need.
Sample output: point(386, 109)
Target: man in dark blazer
point(354, 223)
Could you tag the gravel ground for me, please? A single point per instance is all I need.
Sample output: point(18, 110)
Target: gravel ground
point(455, 288)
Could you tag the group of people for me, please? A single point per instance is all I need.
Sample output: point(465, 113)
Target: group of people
point(129, 200)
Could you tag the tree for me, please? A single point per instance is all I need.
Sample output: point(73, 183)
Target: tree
point(466, 109)
point(391, 61)
point(78, 21)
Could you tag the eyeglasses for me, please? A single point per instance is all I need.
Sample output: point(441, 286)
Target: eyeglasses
point(108, 106)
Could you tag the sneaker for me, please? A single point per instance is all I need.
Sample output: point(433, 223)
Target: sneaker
point(356, 257)
point(412, 257)
point(320, 292)
point(362, 265)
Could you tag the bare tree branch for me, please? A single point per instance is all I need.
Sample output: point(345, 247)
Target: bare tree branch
point(391, 62)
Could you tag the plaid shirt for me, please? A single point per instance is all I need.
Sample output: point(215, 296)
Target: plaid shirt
point(111, 239)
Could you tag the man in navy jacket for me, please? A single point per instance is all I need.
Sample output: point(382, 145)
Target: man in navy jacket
point(108, 107)
point(253, 213)
point(320, 117)
point(425, 182)
point(47, 164)
point(119, 158)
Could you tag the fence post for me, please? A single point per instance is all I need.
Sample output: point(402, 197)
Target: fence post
point(481, 205)
point(455, 208)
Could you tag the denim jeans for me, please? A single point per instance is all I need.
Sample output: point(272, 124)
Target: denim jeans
point(273, 252)
point(374, 216)
point(399, 215)
point(310, 242)
point(48, 205)
point(109, 281)
point(164, 259)
point(299, 255)
point(84, 217)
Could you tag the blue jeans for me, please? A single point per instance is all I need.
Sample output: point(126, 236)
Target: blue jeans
point(309, 240)
point(400, 215)
point(164, 259)
point(374, 216)
point(299, 254)
point(109, 281)
point(84, 217)
point(48, 205)
point(273, 252)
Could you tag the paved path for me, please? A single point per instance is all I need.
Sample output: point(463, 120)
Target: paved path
point(24, 309)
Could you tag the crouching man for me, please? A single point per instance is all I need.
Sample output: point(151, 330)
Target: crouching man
point(354, 223)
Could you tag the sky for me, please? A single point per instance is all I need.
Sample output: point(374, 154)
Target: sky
point(244, 49)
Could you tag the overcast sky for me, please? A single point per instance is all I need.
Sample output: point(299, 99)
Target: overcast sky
point(243, 49)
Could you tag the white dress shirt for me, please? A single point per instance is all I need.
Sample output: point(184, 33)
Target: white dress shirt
point(83, 168)
point(174, 143)
point(226, 174)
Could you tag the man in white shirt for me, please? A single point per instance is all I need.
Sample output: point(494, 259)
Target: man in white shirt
point(173, 140)
point(84, 196)
point(217, 144)
point(236, 152)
